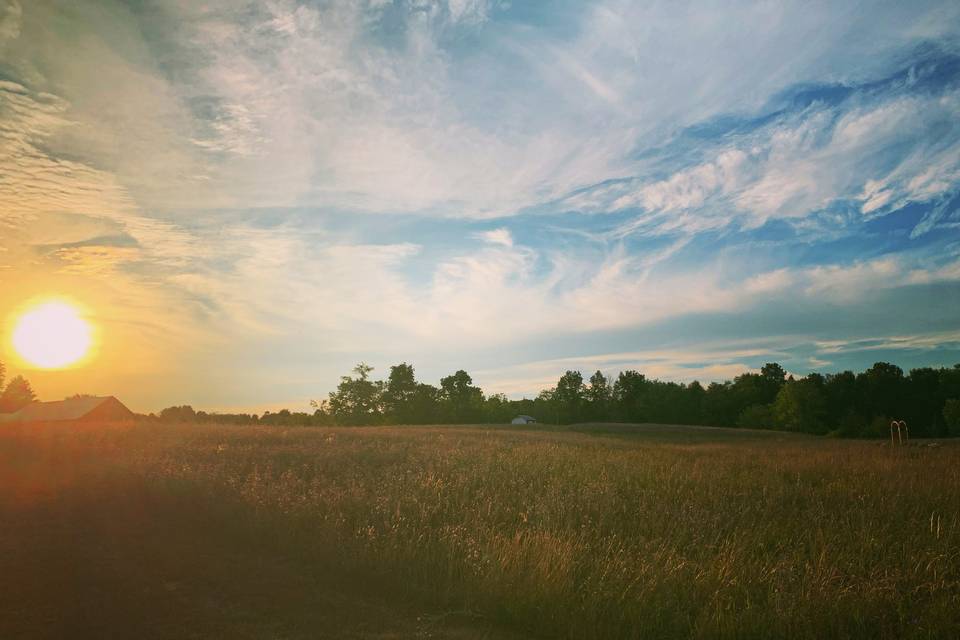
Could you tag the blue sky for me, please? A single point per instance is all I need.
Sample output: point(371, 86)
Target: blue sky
point(250, 198)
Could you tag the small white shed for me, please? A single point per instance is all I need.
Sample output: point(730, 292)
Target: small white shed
point(523, 420)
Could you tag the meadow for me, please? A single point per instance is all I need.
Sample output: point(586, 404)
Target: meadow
point(474, 532)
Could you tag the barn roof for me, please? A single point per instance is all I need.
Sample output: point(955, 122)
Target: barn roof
point(69, 409)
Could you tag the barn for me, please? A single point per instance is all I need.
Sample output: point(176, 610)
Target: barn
point(523, 420)
point(78, 409)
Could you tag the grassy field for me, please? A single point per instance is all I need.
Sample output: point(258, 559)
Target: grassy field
point(591, 532)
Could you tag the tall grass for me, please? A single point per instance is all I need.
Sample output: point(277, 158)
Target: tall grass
point(577, 536)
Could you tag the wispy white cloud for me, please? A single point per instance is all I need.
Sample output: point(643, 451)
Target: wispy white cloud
point(853, 281)
point(472, 12)
point(924, 341)
point(293, 104)
point(36, 183)
point(884, 154)
point(499, 236)
point(498, 294)
point(318, 113)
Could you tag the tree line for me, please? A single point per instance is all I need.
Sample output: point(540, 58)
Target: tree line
point(846, 404)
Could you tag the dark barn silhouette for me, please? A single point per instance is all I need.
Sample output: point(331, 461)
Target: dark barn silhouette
point(79, 409)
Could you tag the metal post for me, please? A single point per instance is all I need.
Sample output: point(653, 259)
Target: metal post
point(901, 427)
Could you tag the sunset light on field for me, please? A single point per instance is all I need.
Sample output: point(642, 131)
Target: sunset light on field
point(52, 335)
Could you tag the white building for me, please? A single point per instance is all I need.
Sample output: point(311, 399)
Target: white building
point(523, 420)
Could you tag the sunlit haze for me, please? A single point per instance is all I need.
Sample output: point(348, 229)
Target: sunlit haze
point(52, 335)
point(247, 199)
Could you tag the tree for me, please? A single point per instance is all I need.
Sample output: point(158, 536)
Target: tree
point(923, 402)
point(497, 409)
point(850, 405)
point(950, 382)
point(569, 396)
point(844, 407)
point(774, 375)
point(628, 393)
point(951, 415)
point(664, 402)
point(598, 396)
point(545, 407)
point(692, 412)
point(719, 405)
point(425, 404)
point(398, 394)
point(357, 400)
point(3, 374)
point(321, 413)
point(183, 413)
point(287, 418)
point(801, 406)
point(883, 387)
point(750, 389)
point(464, 402)
point(757, 416)
point(17, 395)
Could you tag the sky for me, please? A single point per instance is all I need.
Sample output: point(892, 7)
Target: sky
point(246, 199)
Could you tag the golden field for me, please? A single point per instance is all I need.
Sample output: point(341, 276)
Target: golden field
point(474, 532)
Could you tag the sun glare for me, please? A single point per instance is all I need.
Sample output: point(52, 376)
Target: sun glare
point(52, 335)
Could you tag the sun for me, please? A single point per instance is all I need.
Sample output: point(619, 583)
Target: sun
point(52, 335)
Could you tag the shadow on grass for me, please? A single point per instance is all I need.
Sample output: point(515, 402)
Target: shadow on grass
point(109, 555)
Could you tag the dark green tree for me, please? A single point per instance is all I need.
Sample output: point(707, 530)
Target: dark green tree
point(569, 397)
point(692, 410)
point(544, 407)
point(398, 395)
point(844, 406)
point(848, 404)
point(801, 405)
point(882, 392)
point(951, 416)
point(719, 405)
point(923, 403)
point(628, 392)
point(425, 404)
point(774, 375)
point(599, 396)
point(357, 400)
point(463, 402)
point(664, 402)
point(752, 389)
point(950, 382)
point(757, 416)
point(497, 409)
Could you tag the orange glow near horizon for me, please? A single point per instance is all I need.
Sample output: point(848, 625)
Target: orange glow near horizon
point(52, 335)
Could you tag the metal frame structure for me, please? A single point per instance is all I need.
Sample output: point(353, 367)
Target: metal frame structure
point(901, 427)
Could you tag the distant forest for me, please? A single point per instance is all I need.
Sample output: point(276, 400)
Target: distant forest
point(843, 404)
